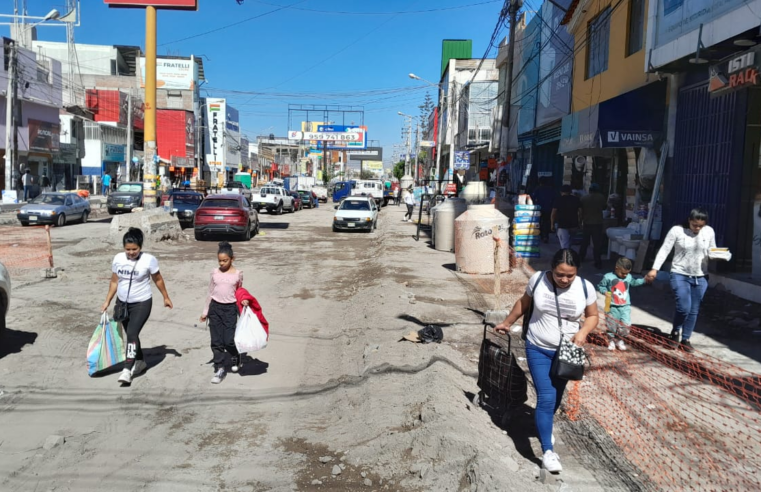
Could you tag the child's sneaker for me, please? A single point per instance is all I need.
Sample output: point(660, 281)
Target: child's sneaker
point(551, 462)
point(218, 376)
point(235, 365)
point(612, 345)
point(621, 345)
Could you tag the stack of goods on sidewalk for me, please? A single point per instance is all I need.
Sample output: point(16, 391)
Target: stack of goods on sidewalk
point(526, 228)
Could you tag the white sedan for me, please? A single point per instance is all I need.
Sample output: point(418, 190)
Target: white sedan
point(356, 212)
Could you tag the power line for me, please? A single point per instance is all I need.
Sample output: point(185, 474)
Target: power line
point(401, 12)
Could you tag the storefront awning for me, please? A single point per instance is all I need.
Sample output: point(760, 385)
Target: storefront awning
point(633, 119)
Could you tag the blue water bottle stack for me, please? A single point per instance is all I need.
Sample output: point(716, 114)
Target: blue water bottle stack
point(526, 231)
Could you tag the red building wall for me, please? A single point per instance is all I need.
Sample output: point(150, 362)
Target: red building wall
point(172, 133)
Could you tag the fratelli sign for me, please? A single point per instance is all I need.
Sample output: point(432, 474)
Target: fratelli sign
point(735, 72)
point(216, 111)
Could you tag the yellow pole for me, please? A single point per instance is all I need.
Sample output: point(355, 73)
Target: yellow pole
point(149, 168)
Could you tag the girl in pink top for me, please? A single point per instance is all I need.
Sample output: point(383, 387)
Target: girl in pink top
point(222, 312)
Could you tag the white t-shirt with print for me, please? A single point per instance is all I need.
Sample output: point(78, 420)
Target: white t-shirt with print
point(543, 328)
point(145, 266)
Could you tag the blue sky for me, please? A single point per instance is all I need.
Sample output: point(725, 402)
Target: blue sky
point(306, 54)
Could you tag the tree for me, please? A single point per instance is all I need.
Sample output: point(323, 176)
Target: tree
point(399, 170)
point(426, 109)
point(365, 174)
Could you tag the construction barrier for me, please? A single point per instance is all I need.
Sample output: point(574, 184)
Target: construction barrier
point(26, 248)
point(664, 418)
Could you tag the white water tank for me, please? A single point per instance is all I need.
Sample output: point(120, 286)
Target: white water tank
point(474, 246)
point(444, 215)
point(475, 192)
point(406, 182)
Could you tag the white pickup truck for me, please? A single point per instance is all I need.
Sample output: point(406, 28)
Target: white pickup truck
point(321, 192)
point(274, 199)
point(373, 188)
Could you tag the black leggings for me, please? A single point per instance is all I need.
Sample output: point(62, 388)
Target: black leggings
point(223, 318)
point(137, 315)
point(410, 209)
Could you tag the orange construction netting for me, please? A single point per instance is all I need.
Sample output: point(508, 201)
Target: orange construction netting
point(25, 248)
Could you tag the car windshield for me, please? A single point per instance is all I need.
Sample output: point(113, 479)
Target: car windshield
point(269, 191)
point(355, 205)
point(187, 199)
point(220, 203)
point(130, 188)
point(234, 184)
point(50, 199)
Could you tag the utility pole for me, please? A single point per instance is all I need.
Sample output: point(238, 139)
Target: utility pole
point(409, 151)
point(515, 5)
point(149, 166)
point(415, 174)
point(10, 117)
point(129, 134)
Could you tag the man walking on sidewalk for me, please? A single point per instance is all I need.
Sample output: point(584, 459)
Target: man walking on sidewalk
point(565, 216)
point(592, 206)
point(409, 200)
point(106, 184)
point(27, 180)
point(544, 196)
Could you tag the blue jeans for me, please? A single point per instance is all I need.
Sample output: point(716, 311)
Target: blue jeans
point(549, 391)
point(689, 292)
point(27, 191)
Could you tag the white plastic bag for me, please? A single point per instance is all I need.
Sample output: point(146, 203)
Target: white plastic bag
point(249, 333)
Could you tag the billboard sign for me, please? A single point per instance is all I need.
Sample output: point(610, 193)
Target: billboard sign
point(427, 143)
point(462, 160)
point(373, 166)
point(676, 18)
point(352, 138)
point(371, 154)
point(113, 152)
point(216, 111)
point(233, 147)
point(44, 136)
point(159, 4)
point(176, 74)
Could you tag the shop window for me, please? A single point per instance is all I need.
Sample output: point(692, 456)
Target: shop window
point(598, 34)
point(636, 26)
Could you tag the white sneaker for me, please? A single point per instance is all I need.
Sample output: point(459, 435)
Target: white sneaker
point(218, 376)
point(139, 368)
point(236, 366)
point(612, 345)
point(551, 462)
point(621, 345)
point(126, 377)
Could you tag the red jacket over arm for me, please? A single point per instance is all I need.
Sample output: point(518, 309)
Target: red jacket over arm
point(244, 295)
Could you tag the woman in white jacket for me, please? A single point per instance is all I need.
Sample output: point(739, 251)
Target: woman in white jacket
point(689, 272)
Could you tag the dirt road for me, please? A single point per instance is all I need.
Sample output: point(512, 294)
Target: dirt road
point(335, 402)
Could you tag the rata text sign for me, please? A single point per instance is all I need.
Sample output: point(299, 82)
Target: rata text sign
point(159, 4)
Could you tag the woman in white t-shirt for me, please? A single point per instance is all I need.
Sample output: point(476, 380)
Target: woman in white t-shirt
point(131, 276)
point(559, 291)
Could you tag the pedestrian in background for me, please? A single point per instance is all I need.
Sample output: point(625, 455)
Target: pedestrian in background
point(45, 182)
point(221, 311)
point(131, 274)
point(409, 200)
point(106, 184)
point(691, 243)
point(566, 213)
point(544, 196)
point(397, 192)
point(592, 207)
point(27, 181)
point(560, 298)
point(617, 285)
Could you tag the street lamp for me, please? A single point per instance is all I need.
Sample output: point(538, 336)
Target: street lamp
point(417, 152)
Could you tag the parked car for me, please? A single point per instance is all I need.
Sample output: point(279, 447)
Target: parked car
point(356, 212)
point(298, 203)
point(236, 187)
point(5, 296)
point(184, 205)
point(226, 214)
point(306, 199)
point(274, 199)
point(126, 197)
point(54, 208)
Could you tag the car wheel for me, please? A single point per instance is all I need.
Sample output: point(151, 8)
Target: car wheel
point(2, 316)
point(279, 209)
point(111, 211)
point(85, 216)
point(61, 220)
point(256, 230)
point(335, 229)
point(198, 235)
point(247, 234)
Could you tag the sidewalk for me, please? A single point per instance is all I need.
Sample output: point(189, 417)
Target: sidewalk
point(727, 328)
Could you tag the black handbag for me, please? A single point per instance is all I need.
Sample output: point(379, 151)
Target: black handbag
point(120, 308)
point(569, 359)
